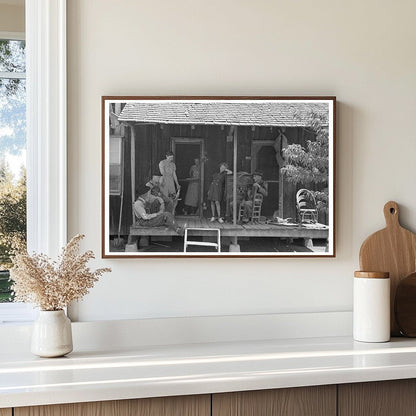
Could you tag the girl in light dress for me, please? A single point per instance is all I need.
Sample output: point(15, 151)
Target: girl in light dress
point(168, 181)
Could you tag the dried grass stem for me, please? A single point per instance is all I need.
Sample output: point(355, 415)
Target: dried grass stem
point(53, 285)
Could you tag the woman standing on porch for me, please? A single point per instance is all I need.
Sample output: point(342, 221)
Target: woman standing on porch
point(168, 181)
point(192, 193)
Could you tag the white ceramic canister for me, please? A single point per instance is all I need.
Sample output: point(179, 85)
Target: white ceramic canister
point(371, 310)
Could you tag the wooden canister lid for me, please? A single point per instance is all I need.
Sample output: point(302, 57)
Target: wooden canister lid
point(372, 275)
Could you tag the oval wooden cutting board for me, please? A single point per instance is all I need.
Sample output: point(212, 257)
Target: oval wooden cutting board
point(392, 250)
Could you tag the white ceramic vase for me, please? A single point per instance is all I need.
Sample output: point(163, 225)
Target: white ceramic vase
point(52, 334)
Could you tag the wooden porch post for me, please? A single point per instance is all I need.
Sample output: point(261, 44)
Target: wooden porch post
point(234, 244)
point(235, 177)
point(133, 169)
point(281, 193)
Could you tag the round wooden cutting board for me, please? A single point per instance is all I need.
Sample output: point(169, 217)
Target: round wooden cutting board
point(392, 250)
point(405, 306)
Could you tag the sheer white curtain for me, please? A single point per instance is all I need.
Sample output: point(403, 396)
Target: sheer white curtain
point(46, 125)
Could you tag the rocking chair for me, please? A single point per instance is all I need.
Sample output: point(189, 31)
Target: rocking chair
point(306, 206)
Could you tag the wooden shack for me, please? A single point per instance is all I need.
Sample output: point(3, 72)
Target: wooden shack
point(249, 136)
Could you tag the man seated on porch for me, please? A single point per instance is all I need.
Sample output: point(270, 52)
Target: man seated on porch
point(259, 187)
point(155, 183)
point(146, 218)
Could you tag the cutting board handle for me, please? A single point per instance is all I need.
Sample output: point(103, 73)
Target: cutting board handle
point(391, 214)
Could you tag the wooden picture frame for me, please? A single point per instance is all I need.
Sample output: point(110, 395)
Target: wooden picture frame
point(249, 176)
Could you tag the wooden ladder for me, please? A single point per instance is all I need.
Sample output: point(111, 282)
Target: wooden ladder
point(216, 245)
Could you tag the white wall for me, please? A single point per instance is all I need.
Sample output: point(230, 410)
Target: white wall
point(363, 52)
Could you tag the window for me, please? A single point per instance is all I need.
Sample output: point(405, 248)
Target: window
point(12, 155)
point(12, 165)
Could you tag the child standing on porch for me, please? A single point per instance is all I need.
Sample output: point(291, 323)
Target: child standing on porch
point(216, 191)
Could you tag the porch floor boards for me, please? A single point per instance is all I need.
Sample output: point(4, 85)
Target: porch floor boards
point(238, 230)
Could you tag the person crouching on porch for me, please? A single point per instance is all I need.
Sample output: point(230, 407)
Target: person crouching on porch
point(143, 208)
point(154, 184)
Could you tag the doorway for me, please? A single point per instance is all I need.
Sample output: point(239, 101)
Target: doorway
point(263, 158)
point(190, 174)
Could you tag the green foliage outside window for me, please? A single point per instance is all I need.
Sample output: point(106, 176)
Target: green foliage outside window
point(5, 292)
point(12, 224)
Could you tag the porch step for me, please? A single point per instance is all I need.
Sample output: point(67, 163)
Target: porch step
point(202, 243)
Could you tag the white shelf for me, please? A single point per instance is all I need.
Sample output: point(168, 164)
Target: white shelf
point(151, 371)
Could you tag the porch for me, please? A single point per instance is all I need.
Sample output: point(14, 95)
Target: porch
point(306, 232)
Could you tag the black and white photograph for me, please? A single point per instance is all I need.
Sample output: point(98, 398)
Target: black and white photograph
point(218, 176)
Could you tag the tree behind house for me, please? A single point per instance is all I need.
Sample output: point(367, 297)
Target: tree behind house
point(309, 166)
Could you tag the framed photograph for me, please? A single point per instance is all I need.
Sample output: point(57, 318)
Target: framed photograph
point(218, 177)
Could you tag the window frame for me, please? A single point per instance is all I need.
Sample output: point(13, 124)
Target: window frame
point(46, 138)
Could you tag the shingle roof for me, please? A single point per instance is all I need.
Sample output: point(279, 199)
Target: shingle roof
point(253, 113)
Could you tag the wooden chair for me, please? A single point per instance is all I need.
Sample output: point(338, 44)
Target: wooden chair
point(256, 209)
point(306, 206)
point(257, 203)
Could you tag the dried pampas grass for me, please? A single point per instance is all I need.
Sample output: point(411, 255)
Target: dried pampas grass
point(53, 285)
